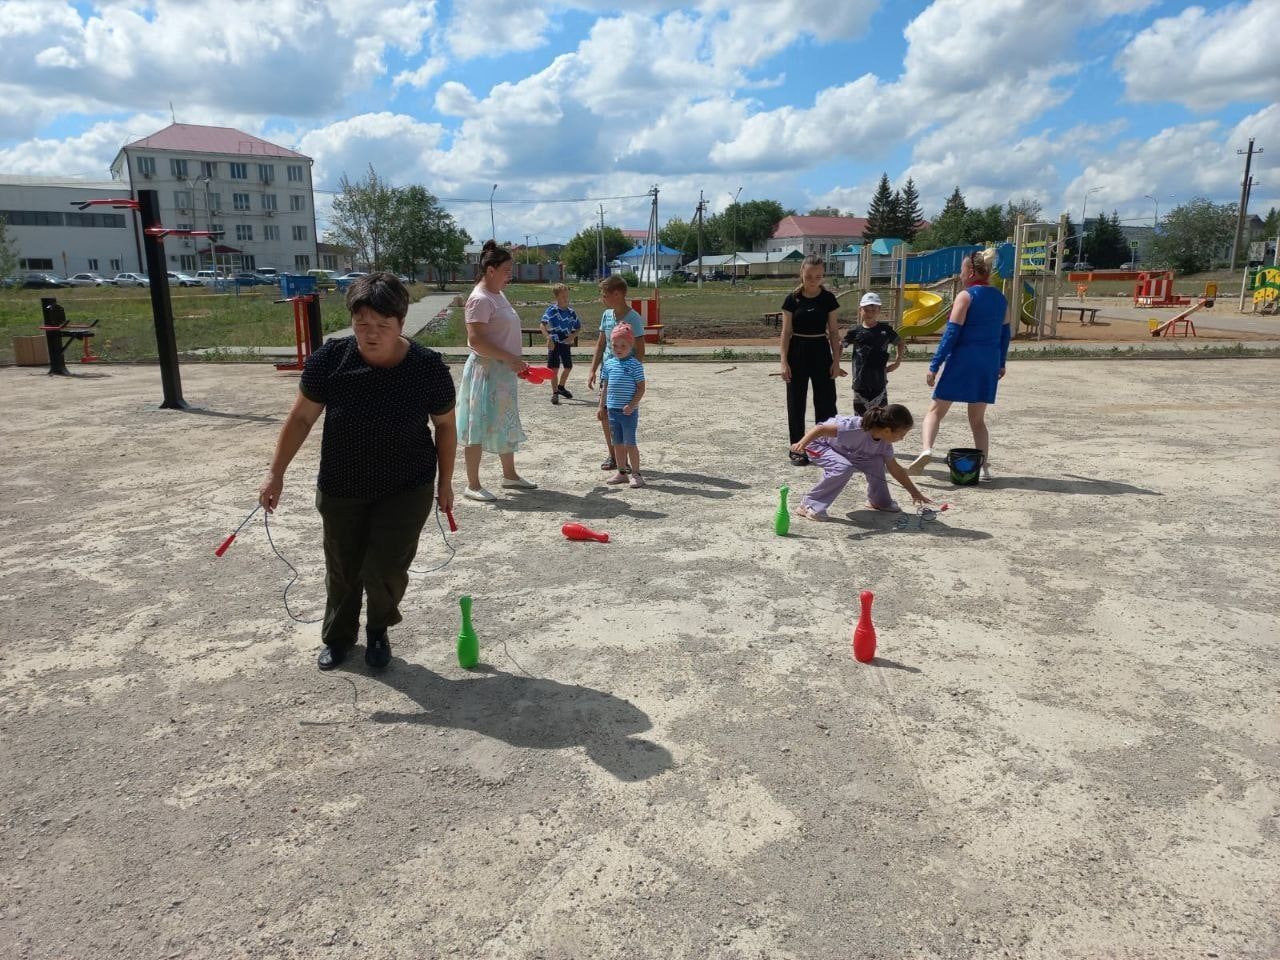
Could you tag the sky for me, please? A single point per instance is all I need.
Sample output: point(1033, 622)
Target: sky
point(1124, 105)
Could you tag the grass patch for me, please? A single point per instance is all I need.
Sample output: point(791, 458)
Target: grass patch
point(202, 319)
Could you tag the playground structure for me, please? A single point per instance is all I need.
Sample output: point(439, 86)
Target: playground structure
point(1181, 322)
point(1261, 289)
point(1033, 266)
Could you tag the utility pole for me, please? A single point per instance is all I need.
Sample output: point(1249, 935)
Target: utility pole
point(600, 246)
point(1244, 201)
point(702, 206)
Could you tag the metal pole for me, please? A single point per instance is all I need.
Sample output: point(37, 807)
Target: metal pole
point(1244, 201)
point(493, 231)
point(161, 306)
point(702, 205)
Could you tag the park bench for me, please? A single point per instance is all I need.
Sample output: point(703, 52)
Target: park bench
point(59, 333)
point(773, 317)
point(532, 332)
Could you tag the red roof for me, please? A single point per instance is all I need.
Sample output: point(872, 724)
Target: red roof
point(635, 234)
point(797, 226)
point(198, 139)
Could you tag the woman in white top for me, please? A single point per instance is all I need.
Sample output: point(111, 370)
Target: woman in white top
point(488, 404)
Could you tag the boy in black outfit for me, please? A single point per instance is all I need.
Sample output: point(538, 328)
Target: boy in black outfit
point(871, 340)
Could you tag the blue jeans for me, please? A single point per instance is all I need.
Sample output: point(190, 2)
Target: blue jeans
point(623, 427)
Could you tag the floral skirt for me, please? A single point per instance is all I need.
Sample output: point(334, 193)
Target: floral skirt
point(488, 406)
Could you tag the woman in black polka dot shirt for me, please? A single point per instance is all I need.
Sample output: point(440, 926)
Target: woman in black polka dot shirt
point(379, 464)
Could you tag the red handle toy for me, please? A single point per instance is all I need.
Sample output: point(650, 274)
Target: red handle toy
point(231, 539)
point(453, 524)
point(576, 531)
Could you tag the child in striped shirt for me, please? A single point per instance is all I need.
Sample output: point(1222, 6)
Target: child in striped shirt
point(622, 386)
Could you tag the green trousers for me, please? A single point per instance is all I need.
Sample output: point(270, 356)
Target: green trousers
point(368, 547)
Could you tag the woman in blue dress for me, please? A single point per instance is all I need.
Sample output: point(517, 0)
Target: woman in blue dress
point(972, 356)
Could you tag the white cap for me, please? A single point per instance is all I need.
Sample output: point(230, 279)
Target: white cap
point(870, 300)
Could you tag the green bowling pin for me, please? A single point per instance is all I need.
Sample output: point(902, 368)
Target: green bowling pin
point(468, 642)
point(782, 519)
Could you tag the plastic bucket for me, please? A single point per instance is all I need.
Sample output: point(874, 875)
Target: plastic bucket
point(965, 464)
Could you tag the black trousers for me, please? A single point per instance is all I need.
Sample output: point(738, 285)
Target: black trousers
point(368, 547)
point(810, 361)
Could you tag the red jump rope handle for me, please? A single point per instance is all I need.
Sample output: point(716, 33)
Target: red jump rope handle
point(225, 544)
point(453, 524)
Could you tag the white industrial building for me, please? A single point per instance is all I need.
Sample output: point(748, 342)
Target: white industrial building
point(206, 178)
point(51, 236)
point(217, 178)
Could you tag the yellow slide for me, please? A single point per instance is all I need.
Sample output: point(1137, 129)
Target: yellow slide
point(923, 313)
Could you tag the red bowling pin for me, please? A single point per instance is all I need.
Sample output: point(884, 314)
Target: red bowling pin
point(576, 531)
point(864, 633)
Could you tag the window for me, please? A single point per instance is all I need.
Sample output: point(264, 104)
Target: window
point(183, 226)
point(187, 262)
point(209, 168)
point(215, 228)
point(266, 172)
point(95, 220)
point(240, 201)
point(32, 218)
point(270, 232)
point(329, 261)
point(115, 266)
point(93, 264)
point(244, 231)
point(215, 201)
point(249, 262)
point(299, 232)
point(239, 171)
point(147, 166)
point(178, 168)
point(182, 199)
point(36, 263)
point(296, 174)
point(297, 201)
point(302, 263)
point(268, 201)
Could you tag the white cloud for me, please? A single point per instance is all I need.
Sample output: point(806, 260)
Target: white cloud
point(401, 148)
point(496, 27)
point(87, 154)
point(1206, 59)
point(455, 100)
point(419, 78)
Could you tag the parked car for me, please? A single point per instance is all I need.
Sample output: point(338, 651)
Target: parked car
point(718, 275)
point(130, 280)
point(252, 280)
point(210, 277)
point(1131, 265)
point(324, 279)
point(43, 281)
point(182, 280)
point(87, 280)
point(271, 273)
point(1081, 265)
point(348, 277)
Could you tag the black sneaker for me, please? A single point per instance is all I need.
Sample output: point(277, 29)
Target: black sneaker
point(799, 459)
point(609, 465)
point(377, 652)
point(564, 393)
point(330, 658)
point(555, 398)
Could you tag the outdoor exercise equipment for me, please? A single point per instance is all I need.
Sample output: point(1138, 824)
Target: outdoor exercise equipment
point(59, 334)
point(468, 642)
point(864, 632)
point(1170, 328)
point(147, 206)
point(308, 331)
point(576, 531)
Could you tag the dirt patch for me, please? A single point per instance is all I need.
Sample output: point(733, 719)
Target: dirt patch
point(1067, 747)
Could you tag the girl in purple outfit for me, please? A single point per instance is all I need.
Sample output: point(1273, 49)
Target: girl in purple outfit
point(843, 446)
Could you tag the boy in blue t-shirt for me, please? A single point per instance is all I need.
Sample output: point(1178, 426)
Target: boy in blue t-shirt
point(560, 324)
point(613, 294)
point(621, 388)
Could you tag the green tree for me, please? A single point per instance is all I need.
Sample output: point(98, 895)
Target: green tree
point(362, 216)
point(948, 227)
point(1271, 224)
point(1195, 235)
point(579, 254)
point(742, 224)
point(881, 213)
point(1105, 246)
point(1029, 209)
point(824, 212)
point(422, 231)
point(984, 224)
point(910, 212)
point(680, 235)
point(8, 256)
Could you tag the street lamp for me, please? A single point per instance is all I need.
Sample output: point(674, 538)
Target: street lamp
point(1155, 210)
point(1084, 209)
point(493, 231)
point(734, 278)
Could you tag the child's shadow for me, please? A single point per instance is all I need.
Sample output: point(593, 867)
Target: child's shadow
point(530, 712)
point(874, 523)
point(589, 507)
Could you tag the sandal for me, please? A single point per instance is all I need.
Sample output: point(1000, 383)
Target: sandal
point(799, 459)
